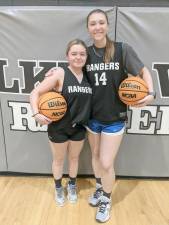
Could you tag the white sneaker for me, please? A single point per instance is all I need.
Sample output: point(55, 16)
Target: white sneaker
point(71, 193)
point(103, 211)
point(95, 198)
point(59, 196)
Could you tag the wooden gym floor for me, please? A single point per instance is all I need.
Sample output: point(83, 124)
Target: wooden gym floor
point(30, 201)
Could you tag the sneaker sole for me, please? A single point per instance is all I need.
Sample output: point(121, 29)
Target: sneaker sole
point(60, 204)
point(71, 201)
point(103, 221)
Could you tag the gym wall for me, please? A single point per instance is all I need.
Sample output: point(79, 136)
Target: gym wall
point(33, 39)
point(121, 3)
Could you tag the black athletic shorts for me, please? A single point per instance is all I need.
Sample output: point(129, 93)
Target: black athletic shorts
point(76, 133)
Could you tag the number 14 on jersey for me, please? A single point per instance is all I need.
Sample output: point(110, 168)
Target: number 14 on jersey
point(102, 80)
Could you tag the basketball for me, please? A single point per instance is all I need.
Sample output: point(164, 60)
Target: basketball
point(132, 89)
point(52, 105)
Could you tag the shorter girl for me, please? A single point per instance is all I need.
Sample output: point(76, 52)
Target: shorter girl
point(67, 135)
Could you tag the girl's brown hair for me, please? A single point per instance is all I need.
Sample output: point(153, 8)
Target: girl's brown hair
point(109, 52)
point(75, 42)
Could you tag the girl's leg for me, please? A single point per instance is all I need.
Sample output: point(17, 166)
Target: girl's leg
point(74, 150)
point(58, 155)
point(94, 141)
point(109, 147)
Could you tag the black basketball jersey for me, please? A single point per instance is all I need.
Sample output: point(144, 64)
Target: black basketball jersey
point(78, 98)
point(105, 79)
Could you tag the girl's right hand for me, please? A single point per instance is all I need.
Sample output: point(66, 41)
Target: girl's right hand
point(43, 120)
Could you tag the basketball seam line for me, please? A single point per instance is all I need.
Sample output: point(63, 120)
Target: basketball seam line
point(131, 100)
point(133, 90)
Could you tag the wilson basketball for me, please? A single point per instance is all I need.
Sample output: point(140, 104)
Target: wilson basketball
point(132, 89)
point(52, 105)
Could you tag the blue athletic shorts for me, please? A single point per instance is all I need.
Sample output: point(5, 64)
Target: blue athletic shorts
point(115, 128)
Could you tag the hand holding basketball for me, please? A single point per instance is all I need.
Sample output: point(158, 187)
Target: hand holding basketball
point(132, 90)
point(145, 101)
point(41, 119)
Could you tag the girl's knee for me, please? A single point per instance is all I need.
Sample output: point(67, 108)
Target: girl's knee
point(106, 166)
point(58, 162)
point(74, 159)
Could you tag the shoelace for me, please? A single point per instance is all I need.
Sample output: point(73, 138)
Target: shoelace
point(102, 206)
point(97, 193)
point(60, 193)
point(72, 189)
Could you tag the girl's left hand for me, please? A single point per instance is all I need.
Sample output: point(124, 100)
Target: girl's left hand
point(145, 101)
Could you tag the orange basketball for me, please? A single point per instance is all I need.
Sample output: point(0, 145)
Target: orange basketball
point(132, 89)
point(52, 105)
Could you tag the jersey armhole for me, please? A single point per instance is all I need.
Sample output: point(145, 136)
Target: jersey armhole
point(61, 89)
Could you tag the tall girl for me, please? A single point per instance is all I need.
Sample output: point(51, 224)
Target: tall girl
point(107, 65)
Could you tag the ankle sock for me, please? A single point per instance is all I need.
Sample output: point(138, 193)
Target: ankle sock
point(58, 183)
point(98, 183)
point(72, 180)
point(98, 180)
point(108, 195)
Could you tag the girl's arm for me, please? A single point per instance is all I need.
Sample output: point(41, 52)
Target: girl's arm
point(145, 74)
point(45, 86)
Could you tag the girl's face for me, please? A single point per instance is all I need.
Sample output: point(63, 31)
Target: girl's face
point(77, 56)
point(97, 26)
